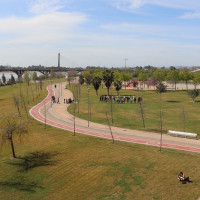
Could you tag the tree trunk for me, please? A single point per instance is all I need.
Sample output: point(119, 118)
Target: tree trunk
point(108, 91)
point(186, 85)
point(175, 85)
point(12, 146)
point(96, 92)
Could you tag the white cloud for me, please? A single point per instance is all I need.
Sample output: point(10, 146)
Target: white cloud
point(47, 6)
point(135, 4)
point(41, 28)
point(194, 15)
point(154, 31)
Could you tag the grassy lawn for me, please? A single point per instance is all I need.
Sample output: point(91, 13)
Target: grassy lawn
point(56, 165)
point(128, 115)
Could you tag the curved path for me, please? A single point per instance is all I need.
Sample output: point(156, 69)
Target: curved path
point(57, 116)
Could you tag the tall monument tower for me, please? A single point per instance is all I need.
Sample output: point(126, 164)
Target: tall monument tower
point(58, 59)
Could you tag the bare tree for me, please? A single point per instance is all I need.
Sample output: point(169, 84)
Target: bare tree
point(16, 102)
point(142, 113)
point(10, 126)
point(113, 140)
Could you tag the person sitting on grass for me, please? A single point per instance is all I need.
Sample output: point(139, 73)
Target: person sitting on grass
point(183, 179)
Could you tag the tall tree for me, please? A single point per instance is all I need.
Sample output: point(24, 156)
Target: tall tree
point(126, 77)
point(118, 85)
point(196, 79)
point(160, 74)
point(10, 126)
point(174, 77)
point(108, 78)
point(96, 82)
point(142, 77)
point(186, 76)
point(4, 79)
point(88, 77)
point(118, 81)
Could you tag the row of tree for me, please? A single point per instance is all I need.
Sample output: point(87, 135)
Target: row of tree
point(149, 77)
point(95, 77)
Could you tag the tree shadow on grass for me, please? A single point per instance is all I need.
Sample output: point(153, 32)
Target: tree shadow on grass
point(21, 181)
point(33, 160)
point(21, 184)
point(173, 101)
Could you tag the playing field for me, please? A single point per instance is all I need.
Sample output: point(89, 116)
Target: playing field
point(56, 165)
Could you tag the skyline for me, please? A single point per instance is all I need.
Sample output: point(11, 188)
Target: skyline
point(100, 33)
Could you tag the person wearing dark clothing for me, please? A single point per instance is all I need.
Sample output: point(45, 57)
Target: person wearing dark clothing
point(182, 178)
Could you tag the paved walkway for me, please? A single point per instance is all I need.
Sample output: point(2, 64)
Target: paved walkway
point(57, 116)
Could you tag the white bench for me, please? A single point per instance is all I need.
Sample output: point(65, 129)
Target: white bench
point(178, 133)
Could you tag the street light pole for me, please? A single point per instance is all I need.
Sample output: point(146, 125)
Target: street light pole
point(74, 118)
point(45, 116)
point(88, 105)
point(51, 92)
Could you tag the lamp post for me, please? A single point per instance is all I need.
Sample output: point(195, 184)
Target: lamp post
point(75, 102)
point(51, 92)
point(45, 116)
point(88, 105)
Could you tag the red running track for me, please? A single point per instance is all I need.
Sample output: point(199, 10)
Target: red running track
point(35, 113)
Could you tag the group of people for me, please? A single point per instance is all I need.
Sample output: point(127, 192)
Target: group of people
point(67, 101)
point(53, 98)
point(121, 99)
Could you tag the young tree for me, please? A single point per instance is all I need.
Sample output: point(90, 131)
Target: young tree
point(12, 79)
point(52, 74)
point(26, 78)
point(81, 79)
point(108, 78)
point(4, 79)
point(27, 81)
point(96, 82)
point(161, 88)
point(174, 77)
point(34, 76)
point(193, 94)
point(10, 126)
point(16, 102)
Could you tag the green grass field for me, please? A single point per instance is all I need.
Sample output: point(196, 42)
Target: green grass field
point(128, 115)
point(56, 165)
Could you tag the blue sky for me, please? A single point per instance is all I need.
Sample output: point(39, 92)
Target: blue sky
point(100, 32)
